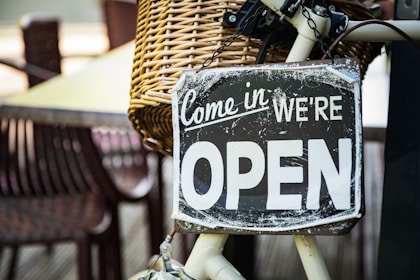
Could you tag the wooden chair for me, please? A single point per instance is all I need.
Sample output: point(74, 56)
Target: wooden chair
point(120, 17)
point(55, 185)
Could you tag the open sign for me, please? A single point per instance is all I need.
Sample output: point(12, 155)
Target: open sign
point(271, 148)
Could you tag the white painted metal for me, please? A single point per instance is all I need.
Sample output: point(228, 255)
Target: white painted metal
point(311, 257)
point(207, 262)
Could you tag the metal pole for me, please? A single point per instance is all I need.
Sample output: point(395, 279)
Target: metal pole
point(207, 262)
point(311, 257)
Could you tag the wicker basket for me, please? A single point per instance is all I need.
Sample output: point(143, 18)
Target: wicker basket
point(174, 35)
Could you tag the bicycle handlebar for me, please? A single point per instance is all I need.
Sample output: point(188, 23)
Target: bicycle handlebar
point(374, 30)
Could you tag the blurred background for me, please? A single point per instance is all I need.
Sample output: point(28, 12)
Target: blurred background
point(82, 35)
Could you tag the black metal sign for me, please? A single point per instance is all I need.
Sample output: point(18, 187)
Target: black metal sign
point(271, 148)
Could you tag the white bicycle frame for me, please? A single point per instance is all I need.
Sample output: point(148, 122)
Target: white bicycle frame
point(206, 260)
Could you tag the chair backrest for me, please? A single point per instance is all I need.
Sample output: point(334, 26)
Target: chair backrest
point(123, 155)
point(44, 160)
point(121, 20)
point(41, 39)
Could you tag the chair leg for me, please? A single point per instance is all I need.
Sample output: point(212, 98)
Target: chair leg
point(155, 212)
point(49, 248)
point(84, 258)
point(155, 230)
point(109, 250)
point(13, 261)
point(116, 240)
point(102, 263)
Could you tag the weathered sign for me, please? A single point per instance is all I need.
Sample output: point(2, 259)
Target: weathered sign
point(270, 148)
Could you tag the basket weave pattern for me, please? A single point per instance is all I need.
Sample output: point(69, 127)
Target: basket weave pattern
point(176, 35)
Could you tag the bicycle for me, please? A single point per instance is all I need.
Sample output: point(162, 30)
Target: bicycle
point(206, 260)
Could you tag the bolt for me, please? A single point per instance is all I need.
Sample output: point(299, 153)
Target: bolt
point(165, 247)
point(320, 11)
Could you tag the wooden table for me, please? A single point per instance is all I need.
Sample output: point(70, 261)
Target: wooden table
point(96, 95)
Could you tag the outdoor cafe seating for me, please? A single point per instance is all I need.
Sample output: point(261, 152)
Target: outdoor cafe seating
point(61, 183)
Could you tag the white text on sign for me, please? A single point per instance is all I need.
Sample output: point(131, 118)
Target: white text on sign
point(320, 165)
point(286, 109)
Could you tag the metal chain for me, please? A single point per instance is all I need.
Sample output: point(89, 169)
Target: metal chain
point(219, 50)
point(318, 36)
point(231, 39)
